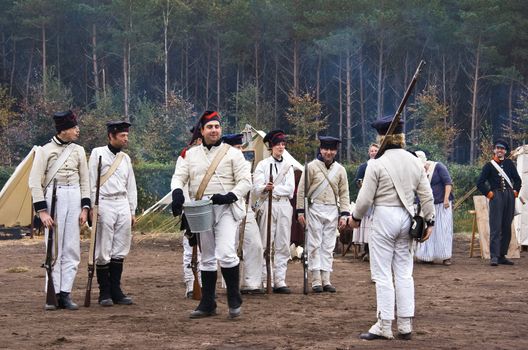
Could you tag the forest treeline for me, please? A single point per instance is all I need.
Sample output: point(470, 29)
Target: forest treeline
point(308, 66)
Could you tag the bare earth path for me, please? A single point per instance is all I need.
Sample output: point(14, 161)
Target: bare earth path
point(467, 305)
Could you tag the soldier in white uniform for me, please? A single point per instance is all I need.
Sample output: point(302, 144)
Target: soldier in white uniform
point(117, 212)
point(189, 238)
point(251, 274)
point(227, 188)
point(282, 187)
point(390, 185)
point(329, 200)
point(64, 161)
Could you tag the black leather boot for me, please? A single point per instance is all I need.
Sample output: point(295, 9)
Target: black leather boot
point(66, 302)
point(234, 298)
point(207, 306)
point(116, 269)
point(103, 278)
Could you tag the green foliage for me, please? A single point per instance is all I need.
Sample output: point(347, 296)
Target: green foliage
point(486, 144)
point(434, 131)
point(253, 109)
point(153, 182)
point(5, 173)
point(305, 117)
point(162, 133)
point(520, 123)
point(8, 119)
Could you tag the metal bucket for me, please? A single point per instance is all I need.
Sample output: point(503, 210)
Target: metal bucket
point(199, 215)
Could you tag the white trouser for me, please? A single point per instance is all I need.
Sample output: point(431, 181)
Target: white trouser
point(67, 231)
point(390, 253)
point(187, 259)
point(251, 273)
point(322, 222)
point(219, 245)
point(114, 233)
point(281, 221)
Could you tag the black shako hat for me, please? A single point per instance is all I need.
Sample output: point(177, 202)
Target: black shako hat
point(329, 142)
point(209, 116)
point(500, 142)
point(64, 120)
point(382, 125)
point(274, 137)
point(233, 139)
point(114, 127)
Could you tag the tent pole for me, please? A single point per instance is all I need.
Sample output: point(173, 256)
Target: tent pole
point(32, 221)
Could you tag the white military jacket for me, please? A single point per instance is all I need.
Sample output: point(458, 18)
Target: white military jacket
point(316, 176)
point(74, 171)
point(233, 173)
point(378, 188)
point(284, 188)
point(121, 183)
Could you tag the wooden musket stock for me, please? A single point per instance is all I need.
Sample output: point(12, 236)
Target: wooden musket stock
point(93, 238)
point(51, 298)
point(267, 253)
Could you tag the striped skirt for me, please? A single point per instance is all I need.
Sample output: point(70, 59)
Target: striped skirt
point(361, 234)
point(440, 245)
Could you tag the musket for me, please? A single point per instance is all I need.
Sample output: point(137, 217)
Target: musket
point(267, 252)
point(197, 289)
point(397, 116)
point(242, 230)
point(51, 298)
point(93, 238)
point(304, 257)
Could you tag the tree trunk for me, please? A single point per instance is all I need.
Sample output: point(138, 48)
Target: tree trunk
point(58, 61)
point(30, 67)
point(95, 70)
point(236, 95)
point(207, 77)
point(340, 84)
point(405, 78)
point(444, 88)
point(256, 83)
point(104, 83)
point(85, 79)
point(4, 58)
point(186, 68)
point(166, 57)
point(318, 76)
point(474, 101)
point(295, 67)
point(379, 100)
point(218, 74)
point(348, 107)
point(12, 76)
point(510, 113)
point(44, 64)
point(276, 91)
point(362, 98)
point(125, 78)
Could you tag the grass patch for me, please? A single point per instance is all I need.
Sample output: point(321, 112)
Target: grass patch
point(18, 269)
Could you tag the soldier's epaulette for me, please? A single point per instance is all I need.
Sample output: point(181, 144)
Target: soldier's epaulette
point(183, 152)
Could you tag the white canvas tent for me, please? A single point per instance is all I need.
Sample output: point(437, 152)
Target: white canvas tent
point(521, 221)
point(255, 142)
point(15, 197)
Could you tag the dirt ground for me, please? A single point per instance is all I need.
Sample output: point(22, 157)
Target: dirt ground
point(467, 305)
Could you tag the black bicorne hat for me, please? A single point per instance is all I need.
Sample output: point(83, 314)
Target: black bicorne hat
point(233, 139)
point(64, 120)
point(329, 142)
point(274, 137)
point(118, 126)
point(382, 125)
